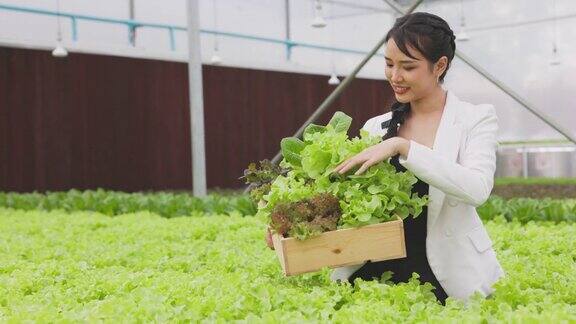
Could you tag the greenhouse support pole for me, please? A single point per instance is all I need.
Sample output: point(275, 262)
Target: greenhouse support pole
point(196, 101)
point(559, 128)
point(341, 87)
point(524, 162)
point(548, 120)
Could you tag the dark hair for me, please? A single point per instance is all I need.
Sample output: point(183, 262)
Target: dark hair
point(433, 38)
point(427, 33)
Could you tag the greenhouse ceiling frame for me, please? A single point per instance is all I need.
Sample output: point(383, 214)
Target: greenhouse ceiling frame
point(345, 83)
point(537, 112)
point(133, 25)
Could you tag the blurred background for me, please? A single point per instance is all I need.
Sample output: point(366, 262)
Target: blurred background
point(95, 94)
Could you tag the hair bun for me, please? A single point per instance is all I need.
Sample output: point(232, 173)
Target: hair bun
point(427, 33)
point(445, 29)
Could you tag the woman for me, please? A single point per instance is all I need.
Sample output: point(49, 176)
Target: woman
point(450, 146)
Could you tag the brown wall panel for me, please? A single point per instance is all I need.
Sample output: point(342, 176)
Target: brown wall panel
point(92, 121)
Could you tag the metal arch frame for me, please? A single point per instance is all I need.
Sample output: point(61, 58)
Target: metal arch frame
point(133, 24)
point(343, 85)
point(130, 23)
point(500, 85)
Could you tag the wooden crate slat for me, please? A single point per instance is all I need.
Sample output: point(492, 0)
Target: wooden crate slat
point(341, 247)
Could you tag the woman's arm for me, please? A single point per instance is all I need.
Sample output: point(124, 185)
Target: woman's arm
point(471, 180)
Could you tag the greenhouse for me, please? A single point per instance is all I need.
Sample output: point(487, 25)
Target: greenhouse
point(287, 161)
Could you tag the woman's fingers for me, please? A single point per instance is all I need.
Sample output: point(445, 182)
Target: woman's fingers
point(344, 166)
point(351, 163)
point(339, 166)
point(367, 158)
point(364, 167)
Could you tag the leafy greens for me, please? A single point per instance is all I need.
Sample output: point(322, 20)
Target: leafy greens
point(380, 194)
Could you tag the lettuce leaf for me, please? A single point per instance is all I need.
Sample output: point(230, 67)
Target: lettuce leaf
point(340, 122)
point(291, 148)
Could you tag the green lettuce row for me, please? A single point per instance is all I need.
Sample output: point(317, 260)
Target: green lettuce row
point(86, 267)
point(116, 203)
point(534, 181)
point(172, 205)
point(525, 210)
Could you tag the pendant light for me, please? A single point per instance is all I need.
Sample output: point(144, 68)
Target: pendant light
point(59, 50)
point(462, 36)
point(318, 21)
point(333, 77)
point(215, 59)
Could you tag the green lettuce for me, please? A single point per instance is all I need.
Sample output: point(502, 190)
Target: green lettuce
point(380, 194)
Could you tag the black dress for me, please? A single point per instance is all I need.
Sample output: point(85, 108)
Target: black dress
point(416, 260)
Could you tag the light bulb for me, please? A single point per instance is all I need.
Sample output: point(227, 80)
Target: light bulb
point(318, 22)
point(462, 36)
point(59, 51)
point(333, 79)
point(215, 59)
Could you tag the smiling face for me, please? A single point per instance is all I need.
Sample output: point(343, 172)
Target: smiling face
point(411, 79)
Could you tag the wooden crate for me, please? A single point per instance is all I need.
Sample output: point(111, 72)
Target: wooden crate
point(338, 248)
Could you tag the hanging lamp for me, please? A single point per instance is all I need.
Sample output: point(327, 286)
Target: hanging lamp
point(333, 77)
point(318, 21)
point(215, 59)
point(462, 36)
point(59, 50)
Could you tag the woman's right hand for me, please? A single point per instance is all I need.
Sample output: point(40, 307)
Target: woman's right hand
point(269, 239)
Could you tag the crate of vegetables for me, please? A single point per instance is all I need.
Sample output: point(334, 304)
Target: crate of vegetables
point(324, 219)
point(377, 242)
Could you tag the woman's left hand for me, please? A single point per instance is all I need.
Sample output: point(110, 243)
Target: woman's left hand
point(375, 154)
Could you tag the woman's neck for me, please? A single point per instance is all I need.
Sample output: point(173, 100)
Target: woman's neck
point(430, 104)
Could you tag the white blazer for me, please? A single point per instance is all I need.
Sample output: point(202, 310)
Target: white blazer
point(460, 173)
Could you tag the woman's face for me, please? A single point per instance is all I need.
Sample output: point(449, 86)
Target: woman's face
point(410, 79)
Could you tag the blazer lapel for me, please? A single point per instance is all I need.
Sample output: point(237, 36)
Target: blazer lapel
point(446, 144)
